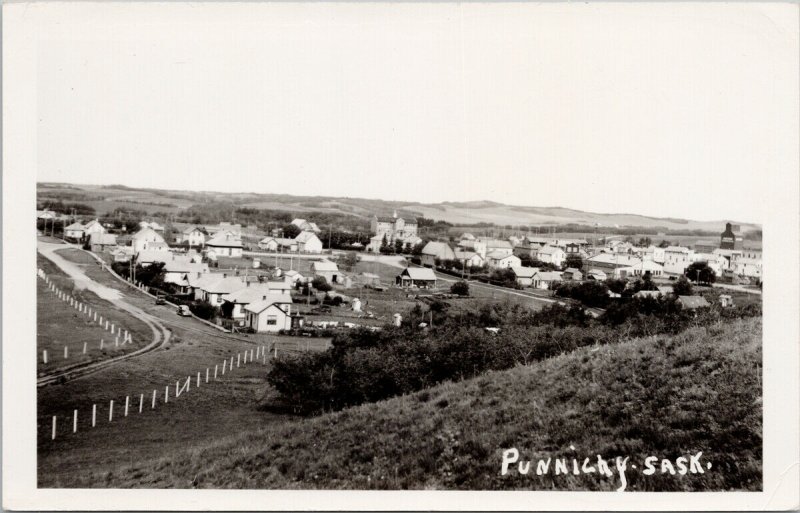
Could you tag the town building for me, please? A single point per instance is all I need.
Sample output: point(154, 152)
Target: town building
point(224, 244)
point(730, 238)
point(608, 262)
point(391, 229)
point(326, 269)
point(99, 242)
point(545, 279)
point(193, 236)
point(308, 242)
point(147, 239)
point(524, 275)
point(572, 274)
point(468, 259)
point(271, 314)
point(74, 231)
point(306, 226)
point(551, 255)
point(499, 259)
point(420, 277)
point(436, 250)
point(677, 259)
point(92, 227)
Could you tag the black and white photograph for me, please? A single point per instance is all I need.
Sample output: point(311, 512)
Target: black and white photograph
point(297, 248)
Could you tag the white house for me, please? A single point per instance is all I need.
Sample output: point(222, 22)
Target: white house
point(551, 255)
point(326, 269)
point(434, 250)
point(468, 258)
point(524, 275)
point(654, 253)
point(74, 231)
point(308, 242)
point(306, 226)
point(750, 267)
point(193, 236)
point(645, 267)
point(93, 226)
point(475, 245)
point(502, 260)
point(677, 259)
point(234, 303)
point(213, 286)
point(147, 239)
point(543, 279)
point(225, 244)
point(271, 314)
point(498, 246)
point(179, 269)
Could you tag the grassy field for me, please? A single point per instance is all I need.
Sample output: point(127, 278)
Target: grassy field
point(59, 325)
point(665, 396)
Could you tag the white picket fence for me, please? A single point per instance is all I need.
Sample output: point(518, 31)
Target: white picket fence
point(113, 329)
point(210, 375)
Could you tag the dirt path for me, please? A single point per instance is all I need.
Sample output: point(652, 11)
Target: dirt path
point(161, 334)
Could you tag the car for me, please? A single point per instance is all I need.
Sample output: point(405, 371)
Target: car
point(184, 311)
point(160, 300)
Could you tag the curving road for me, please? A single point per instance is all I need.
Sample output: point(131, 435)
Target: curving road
point(161, 334)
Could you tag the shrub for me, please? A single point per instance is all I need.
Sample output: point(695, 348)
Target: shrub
point(321, 284)
point(460, 288)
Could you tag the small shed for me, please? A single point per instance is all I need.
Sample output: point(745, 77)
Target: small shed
point(693, 302)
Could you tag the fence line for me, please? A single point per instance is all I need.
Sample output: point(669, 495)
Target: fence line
point(181, 387)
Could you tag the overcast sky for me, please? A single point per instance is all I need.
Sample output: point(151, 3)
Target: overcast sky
point(676, 110)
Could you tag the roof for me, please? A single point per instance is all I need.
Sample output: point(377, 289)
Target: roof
point(572, 270)
point(223, 285)
point(524, 272)
point(147, 234)
point(248, 295)
point(496, 243)
point(436, 248)
point(466, 255)
point(305, 237)
point(191, 229)
point(224, 240)
point(549, 250)
point(665, 289)
point(676, 249)
point(74, 226)
point(324, 265)
point(596, 272)
point(419, 273)
point(154, 256)
point(185, 265)
point(692, 302)
point(705, 243)
point(500, 255)
point(615, 259)
point(105, 239)
point(648, 293)
point(547, 276)
point(271, 299)
point(467, 236)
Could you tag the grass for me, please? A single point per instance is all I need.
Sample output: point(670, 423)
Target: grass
point(60, 325)
point(665, 396)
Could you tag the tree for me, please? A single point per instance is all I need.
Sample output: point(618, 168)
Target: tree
point(700, 272)
point(291, 231)
point(398, 246)
point(645, 242)
point(663, 244)
point(321, 284)
point(682, 287)
point(573, 261)
point(616, 285)
point(460, 287)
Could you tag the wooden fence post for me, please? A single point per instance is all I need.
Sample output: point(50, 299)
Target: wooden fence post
point(74, 421)
point(141, 402)
point(198, 381)
point(101, 343)
point(238, 357)
point(215, 370)
point(66, 352)
point(154, 400)
point(111, 411)
point(166, 394)
point(94, 415)
point(206, 374)
point(54, 427)
point(224, 363)
point(127, 400)
point(84, 348)
point(44, 355)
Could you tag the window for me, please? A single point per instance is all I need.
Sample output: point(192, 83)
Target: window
point(272, 320)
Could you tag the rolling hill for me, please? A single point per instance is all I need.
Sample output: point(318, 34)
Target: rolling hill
point(663, 396)
point(107, 198)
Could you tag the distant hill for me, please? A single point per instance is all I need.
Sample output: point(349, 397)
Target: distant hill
point(107, 198)
point(666, 396)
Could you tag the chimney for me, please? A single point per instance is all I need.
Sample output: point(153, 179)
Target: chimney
point(224, 275)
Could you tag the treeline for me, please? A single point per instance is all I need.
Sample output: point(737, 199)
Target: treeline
point(65, 208)
point(366, 366)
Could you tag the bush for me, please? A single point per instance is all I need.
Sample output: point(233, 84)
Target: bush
point(321, 284)
point(460, 288)
point(682, 287)
point(204, 310)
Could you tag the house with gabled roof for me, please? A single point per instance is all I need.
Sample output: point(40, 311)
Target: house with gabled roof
point(524, 275)
point(102, 241)
point(74, 231)
point(225, 244)
point(326, 269)
point(421, 277)
point(308, 242)
point(270, 314)
point(436, 250)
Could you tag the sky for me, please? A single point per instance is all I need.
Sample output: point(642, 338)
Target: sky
point(674, 110)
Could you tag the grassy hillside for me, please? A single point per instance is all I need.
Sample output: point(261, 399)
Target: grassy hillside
point(106, 198)
point(662, 396)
